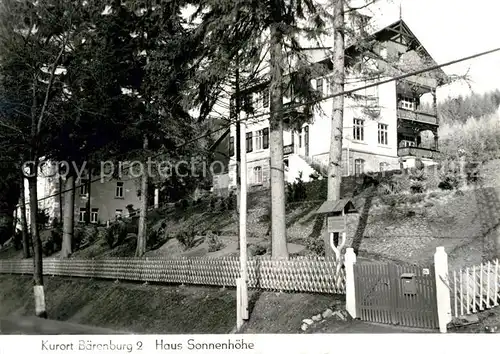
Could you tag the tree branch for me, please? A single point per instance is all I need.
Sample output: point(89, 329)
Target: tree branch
point(49, 86)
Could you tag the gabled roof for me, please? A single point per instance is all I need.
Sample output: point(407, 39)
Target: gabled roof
point(400, 32)
point(336, 206)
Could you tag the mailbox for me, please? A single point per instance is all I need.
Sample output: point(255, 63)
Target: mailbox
point(409, 287)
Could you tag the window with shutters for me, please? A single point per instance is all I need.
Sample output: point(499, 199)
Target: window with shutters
point(259, 140)
point(249, 141)
point(265, 138)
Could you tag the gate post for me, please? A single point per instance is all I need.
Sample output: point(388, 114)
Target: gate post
point(442, 288)
point(350, 290)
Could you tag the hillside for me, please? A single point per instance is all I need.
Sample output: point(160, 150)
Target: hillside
point(400, 227)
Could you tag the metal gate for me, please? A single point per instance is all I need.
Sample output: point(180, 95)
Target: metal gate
point(397, 295)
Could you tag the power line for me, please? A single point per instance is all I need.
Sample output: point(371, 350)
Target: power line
point(288, 108)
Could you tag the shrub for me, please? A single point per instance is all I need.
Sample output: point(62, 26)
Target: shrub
point(213, 203)
point(473, 172)
point(89, 235)
point(53, 242)
point(182, 204)
point(394, 199)
point(449, 182)
point(56, 236)
point(214, 243)
point(187, 238)
point(231, 201)
point(152, 238)
point(296, 191)
point(116, 233)
point(257, 250)
point(155, 234)
point(398, 183)
point(317, 189)
point(316, 245)
point(417, 188)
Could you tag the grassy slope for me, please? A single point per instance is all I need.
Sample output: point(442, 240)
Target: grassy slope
point(126, 307)
point(136, 308)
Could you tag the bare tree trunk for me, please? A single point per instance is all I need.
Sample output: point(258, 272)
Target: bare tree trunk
point(40, 309)
point(278, 227)
point(335, 163)
point(24, 223)
point(68, 216)
point(141, 233)
point(335, 157)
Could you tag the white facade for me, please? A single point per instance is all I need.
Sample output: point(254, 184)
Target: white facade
point(381, 126)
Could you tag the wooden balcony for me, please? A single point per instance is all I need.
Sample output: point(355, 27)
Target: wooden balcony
point(418, 152)
point(288, 150)
point(416, 116)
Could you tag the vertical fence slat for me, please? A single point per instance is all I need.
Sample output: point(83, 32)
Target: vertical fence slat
point(481, 287)
point(474, 288)
point(497, 280)
point(455, 295)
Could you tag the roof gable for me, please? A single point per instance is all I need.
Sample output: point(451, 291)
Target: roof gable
point(400, 33)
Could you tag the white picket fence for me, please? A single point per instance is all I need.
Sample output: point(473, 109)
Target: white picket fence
point(475, 288)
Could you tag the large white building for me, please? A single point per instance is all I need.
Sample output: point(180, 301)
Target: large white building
point(385, 126)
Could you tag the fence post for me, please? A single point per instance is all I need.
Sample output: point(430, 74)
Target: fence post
point(239, 304)
point(350, 291)
point(442, 288)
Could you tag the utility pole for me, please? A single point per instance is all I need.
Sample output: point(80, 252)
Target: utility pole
point(242, 293)
point(237, 107)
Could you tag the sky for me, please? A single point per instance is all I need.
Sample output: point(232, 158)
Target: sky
point(451, 29)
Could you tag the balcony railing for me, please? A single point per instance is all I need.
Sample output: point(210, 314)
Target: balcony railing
point(288, 150)
point(417, 152)
point(417, 116)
